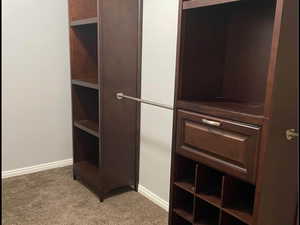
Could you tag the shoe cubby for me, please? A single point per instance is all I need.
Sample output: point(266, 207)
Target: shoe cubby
point(183, 203)
point(214, 194)
point(85, 109)
point(185, 174)
point(84, 55)
point(206, 214)
point(209, 184)
point(227, 47)
point(227, 219)
point(238, 198)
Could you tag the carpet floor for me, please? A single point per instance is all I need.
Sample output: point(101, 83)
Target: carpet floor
point(53, 197)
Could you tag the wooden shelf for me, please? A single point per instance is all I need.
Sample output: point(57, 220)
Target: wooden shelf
point(212, 199)
point(190, 4)
point(184, 214)
point(242, 214)
point(93, 20)
point(88, 126)
point(186, 185)
point(88, 83)
point(243, 112)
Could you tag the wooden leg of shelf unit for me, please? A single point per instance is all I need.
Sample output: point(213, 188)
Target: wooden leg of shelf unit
point(101, 196)
point(136, 188)
point(74, 175)
point(101, 199)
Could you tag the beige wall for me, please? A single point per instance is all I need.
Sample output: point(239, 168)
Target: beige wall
point(36, 88)
point(36, 102)
point(158, 75)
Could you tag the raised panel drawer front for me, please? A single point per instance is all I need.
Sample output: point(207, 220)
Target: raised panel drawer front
point(225, 145)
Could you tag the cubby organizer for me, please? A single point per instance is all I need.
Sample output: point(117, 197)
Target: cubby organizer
point(204, 196)
point(235, 99)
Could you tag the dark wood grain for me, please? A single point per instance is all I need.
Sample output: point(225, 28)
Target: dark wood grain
point(79, 9)
point(119, 72)
point(279, 157)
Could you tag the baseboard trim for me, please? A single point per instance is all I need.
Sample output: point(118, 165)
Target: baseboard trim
point(153, 197)
point(36, 168)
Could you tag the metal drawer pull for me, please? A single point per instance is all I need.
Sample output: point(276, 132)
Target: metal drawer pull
point(212, 123)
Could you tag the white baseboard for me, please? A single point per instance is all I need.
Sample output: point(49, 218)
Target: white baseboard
point(153, 197)
point(37, 168)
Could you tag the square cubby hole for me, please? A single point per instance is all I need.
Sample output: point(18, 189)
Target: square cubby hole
point(183, 203)
point(86, 150)
point(209, 184)
point(206, 214)
point(185, 173)
point(238, 198)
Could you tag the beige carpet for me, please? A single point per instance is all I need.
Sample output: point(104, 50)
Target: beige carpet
point(53, 197)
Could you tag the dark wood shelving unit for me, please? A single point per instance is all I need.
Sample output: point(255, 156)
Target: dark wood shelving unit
point(105, 152)
point(235, 96)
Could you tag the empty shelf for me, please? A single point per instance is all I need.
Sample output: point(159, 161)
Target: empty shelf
point(87, 21)
point(88, 126)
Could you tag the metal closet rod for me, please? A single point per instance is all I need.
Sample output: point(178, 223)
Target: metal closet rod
point(121, 96)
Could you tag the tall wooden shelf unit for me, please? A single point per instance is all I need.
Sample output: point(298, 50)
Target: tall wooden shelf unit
point(236, 60)
point(99, 162)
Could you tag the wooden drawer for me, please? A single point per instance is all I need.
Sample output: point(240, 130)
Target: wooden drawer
point(228, 146)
